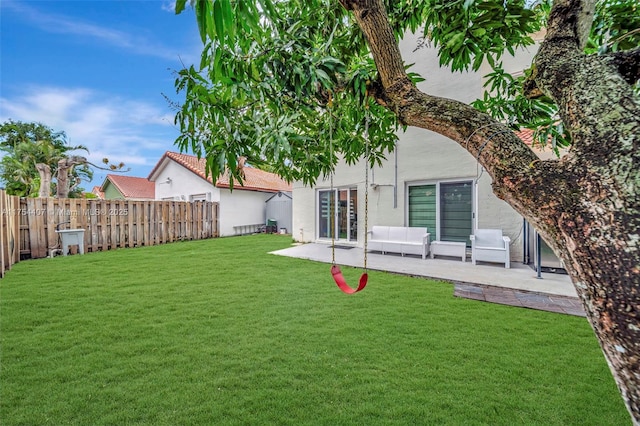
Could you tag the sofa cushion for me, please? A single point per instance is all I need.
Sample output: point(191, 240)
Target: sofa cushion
point(416, 234)
point(379, 233)
point(397, 234)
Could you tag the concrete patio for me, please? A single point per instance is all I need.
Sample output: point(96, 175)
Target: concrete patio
point(517, 286)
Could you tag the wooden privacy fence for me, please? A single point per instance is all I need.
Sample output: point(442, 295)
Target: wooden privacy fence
point(111, 224)
point(10, 232)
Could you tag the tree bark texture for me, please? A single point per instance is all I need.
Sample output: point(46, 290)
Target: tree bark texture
point(45, 180)
point(62, 179)
point(65, 167)
point(586, 205)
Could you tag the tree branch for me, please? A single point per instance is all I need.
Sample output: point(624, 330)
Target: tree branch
point(372, 18)
point(112, 167)
point(505, 157)
point(627, 64)
point(571, 20)
point(602, 112)
point(591, 100)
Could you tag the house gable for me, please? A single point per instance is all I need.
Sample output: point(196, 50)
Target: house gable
point(128, 187)
point(110, 191)
point(189, 162)
point(97, 191)
point(254, 179)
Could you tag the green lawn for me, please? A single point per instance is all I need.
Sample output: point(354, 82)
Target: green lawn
point(220, 332)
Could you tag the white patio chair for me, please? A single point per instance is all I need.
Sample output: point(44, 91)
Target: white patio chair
point(489, 245)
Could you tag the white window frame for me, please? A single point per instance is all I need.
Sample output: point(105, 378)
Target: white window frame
point(198, 197)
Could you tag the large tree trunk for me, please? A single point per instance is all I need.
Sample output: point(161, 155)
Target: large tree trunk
point(62, 178)
point(65, 167)
point(586, 205)
point(45, 180)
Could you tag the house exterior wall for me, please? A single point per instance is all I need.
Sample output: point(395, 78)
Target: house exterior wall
point(111, 192)
point(423, 157)
point(304, 207)
point(241, 207)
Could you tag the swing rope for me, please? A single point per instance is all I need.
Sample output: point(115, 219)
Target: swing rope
point(336, 273)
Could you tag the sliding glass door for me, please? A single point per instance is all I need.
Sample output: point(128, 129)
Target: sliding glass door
point(456, 212)
point(445, 208)
point(326, 213)
point(338, 214)
point(422, 207)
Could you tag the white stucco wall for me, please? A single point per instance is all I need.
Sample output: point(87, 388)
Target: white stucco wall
point(304, 209)
point(241, 207)
point(422, 157)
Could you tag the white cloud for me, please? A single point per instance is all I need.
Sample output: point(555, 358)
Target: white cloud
point(123, 130)
point(61, 24)
point(169, 6)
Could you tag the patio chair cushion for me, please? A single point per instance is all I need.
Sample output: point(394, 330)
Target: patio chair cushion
point(489, 238)
point(489, 245)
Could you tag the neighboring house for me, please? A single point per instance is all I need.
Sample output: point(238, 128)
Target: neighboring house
point(183, 177)
point(428, 181)
point(98, 192)
point(119, 187)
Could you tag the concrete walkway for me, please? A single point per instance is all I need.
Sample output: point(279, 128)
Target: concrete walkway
point(517, 286)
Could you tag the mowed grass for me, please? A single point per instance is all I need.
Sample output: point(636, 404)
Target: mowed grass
point(220, 332)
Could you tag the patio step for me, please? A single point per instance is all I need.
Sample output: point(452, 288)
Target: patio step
point(525, 299)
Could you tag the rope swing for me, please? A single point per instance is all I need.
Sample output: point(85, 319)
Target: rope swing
point(336, 273)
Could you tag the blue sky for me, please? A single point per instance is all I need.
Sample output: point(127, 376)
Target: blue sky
point(97, 70)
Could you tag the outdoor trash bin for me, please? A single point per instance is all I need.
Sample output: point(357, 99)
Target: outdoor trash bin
point(70, 237)
point(272, 226)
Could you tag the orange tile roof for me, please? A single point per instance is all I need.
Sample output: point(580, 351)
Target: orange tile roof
point(257, 180)
point(526, 135)
point(254, 179)
point(133, 187)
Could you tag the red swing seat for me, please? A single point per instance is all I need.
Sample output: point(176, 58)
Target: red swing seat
point(342, 283)
point(336, 273)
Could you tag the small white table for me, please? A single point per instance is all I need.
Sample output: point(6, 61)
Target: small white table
point(449, 248)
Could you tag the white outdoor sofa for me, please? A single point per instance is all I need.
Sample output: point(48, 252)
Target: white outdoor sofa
point(489, 245)
point(399, 239)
